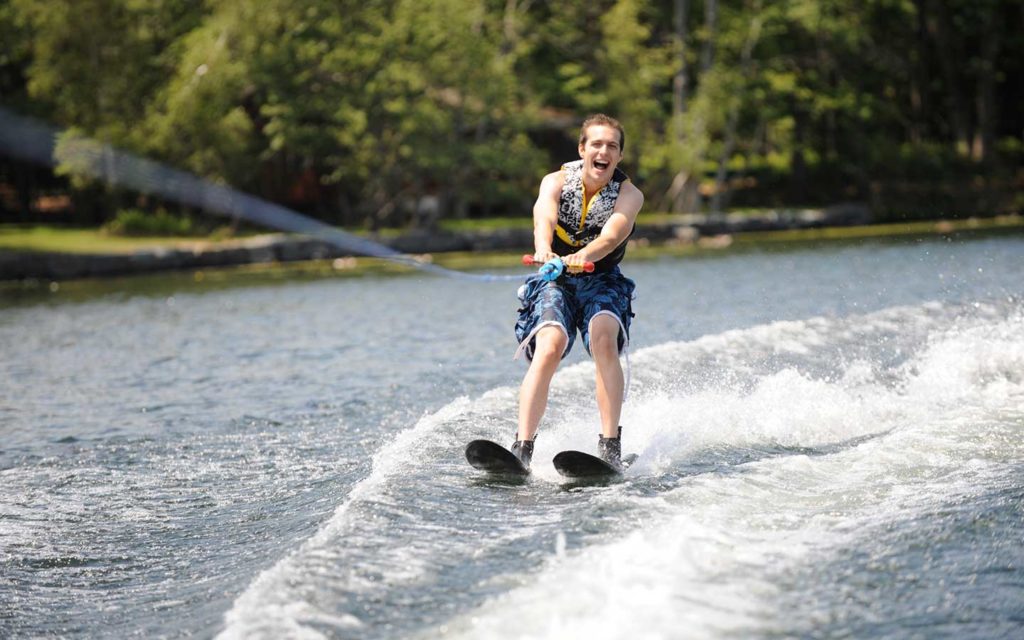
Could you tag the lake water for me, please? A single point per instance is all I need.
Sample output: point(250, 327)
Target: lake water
point(831, 445)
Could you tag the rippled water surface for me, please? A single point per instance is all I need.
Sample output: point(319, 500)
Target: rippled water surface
point(831, 444)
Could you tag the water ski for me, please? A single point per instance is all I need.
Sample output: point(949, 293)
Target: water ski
point(576, 464)
point(494, 459)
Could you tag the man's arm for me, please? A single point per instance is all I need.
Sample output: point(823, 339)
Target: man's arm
point(545, 216)
point(614, 232)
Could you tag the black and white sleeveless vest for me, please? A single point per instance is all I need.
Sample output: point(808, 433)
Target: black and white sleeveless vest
point(579, 225)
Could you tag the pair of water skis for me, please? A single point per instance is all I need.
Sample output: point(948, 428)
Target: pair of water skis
point(497, 460)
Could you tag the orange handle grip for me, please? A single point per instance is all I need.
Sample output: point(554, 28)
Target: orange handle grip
point(530, 262)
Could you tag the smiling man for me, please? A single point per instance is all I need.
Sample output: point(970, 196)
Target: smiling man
point(584, 212)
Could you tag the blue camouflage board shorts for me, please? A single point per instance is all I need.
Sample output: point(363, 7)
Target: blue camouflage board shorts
point(572, 302)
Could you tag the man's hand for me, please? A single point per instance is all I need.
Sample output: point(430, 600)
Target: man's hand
point(540, 257)
point(575, 262)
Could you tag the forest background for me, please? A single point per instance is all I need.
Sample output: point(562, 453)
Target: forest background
point(397, 113)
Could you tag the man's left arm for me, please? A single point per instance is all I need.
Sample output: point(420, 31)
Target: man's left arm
point(614, 232)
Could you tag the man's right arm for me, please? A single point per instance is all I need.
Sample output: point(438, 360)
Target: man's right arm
point(545, 216)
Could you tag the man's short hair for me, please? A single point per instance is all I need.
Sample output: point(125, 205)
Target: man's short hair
point(608, 121)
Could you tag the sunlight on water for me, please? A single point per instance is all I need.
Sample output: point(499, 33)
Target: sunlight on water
point(825, 451)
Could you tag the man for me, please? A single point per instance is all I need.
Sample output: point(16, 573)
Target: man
point(584, 212)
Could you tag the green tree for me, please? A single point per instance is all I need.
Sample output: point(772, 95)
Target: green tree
point(446, 110)
point(96, 63)
point(363, 112)
point(92, 67)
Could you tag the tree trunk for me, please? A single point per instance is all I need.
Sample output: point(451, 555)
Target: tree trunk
point(707, 54)
point(746, 56)
point(985, 133)
point(798, 164)
point(919, 79)
point(940, 28)
point(677, 191)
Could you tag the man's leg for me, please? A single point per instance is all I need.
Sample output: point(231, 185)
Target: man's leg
point(604, 347)
point(533, 394)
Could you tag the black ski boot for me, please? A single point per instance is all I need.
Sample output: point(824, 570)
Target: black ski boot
point(610, 449)
point(523, 449)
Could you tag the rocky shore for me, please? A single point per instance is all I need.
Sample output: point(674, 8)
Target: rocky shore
point(27, 265)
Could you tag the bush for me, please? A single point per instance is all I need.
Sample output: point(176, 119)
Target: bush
point(135, 222)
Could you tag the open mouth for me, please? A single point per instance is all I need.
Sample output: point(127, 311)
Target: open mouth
point(601, 165)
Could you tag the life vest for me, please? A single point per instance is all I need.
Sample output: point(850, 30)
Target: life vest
point(579, 224)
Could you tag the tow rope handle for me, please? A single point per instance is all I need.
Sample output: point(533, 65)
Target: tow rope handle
point(553, 268)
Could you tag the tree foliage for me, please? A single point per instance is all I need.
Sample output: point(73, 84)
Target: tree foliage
point(398, 111)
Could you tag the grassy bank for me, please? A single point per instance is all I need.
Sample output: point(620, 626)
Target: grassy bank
point(50, 239)
point(44, 238)
point(264, 274)
point(891, 230)
point(85, 241)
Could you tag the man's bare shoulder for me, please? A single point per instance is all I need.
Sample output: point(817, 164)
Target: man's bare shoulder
point(551, 185)
point(554, 178)
point(631, 196)
point(631, 190)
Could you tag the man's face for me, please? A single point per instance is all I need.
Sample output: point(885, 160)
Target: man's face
point(601, 153)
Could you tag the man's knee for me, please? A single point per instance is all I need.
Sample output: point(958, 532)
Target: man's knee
point(604, 335)
point(550, 342)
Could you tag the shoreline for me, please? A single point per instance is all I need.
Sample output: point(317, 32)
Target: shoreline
point(466, 249)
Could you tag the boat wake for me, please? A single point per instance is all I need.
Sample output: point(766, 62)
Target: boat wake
point(770, 459)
